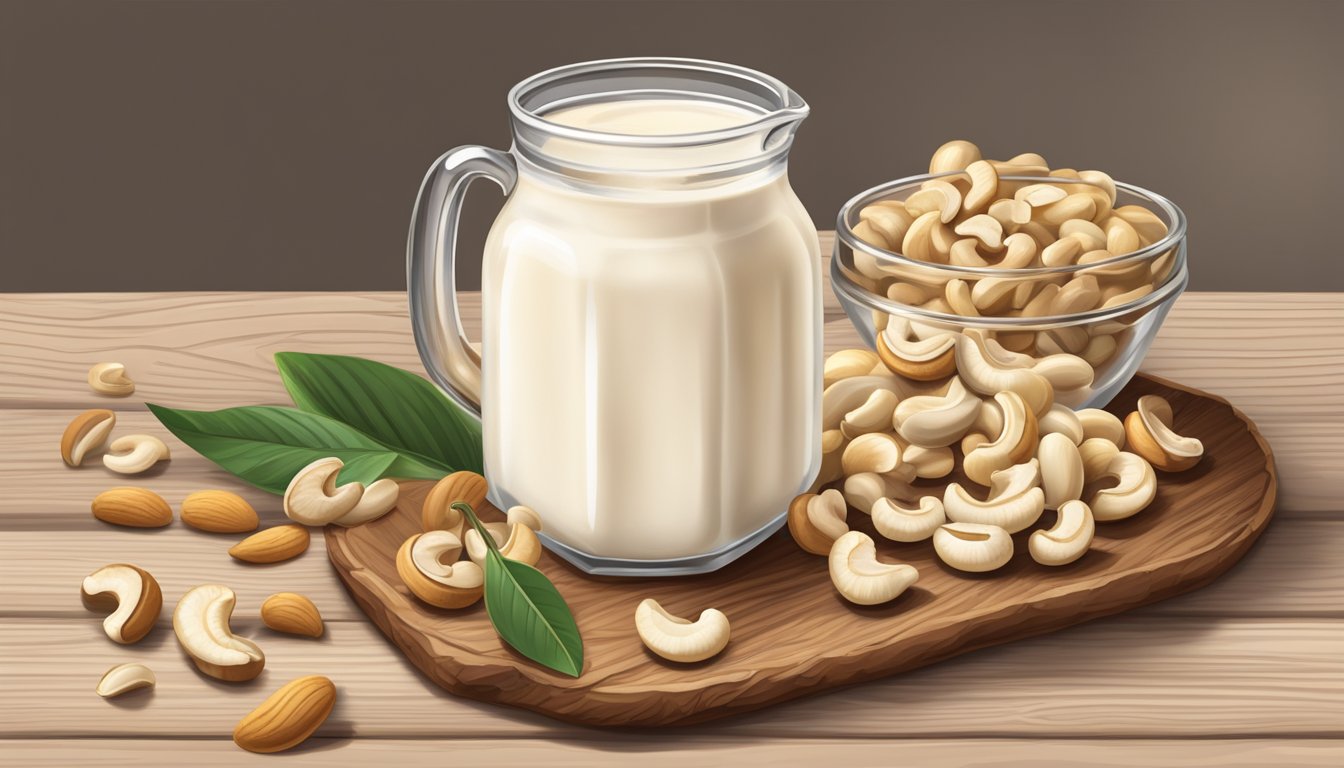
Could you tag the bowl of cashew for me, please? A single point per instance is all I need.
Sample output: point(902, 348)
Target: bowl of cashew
point(1004, 270)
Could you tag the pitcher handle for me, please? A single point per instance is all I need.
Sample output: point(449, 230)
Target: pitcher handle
point(430, 261)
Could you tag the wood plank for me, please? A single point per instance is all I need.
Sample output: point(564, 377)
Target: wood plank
point(1124, 677)
point(625, 750)
point(41, 492)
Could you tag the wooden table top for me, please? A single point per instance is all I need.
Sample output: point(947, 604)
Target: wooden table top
point(1248, 671)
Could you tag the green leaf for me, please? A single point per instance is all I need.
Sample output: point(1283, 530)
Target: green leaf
point(530, 615)
point(394, 407)
point(266, 445)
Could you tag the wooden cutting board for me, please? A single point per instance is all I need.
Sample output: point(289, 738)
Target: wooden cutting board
point(792, 634)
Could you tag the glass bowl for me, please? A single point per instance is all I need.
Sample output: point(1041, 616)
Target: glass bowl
point(886, 292)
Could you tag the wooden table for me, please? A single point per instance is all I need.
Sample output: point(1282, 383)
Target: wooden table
point(1248, 671)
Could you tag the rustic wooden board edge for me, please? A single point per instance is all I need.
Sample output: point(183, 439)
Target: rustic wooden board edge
point(1045, 614)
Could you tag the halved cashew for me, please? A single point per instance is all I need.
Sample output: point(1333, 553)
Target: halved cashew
point(201, 623)
point(936, 196)
point(134, 595)
point(874, 452)
point(817, 520)
point(1096, 454)
point(919, 359)
point(860, 577)
point(1014, 503)
point(984, 183)
point(1061, 469)
point(1037, 195)
point(1015, 443)
point(110, 379)
point(1150, 435)
point(900, 523)
point(678, 639)
point(1068, 539)
point(988, 377)
point(125, 678)
point(521, 515)
point(1136, 488)
point(973, 547)
point(847, 363)
point(1102, 424)
point(1121, 237)
point(873, 416)
point(428, 565)
point(1061, 419)
point(516, 542)
point(929, 463)
point(86, 432)
point(936, 420)
point(847, 394)
point(864, 490)
point(133, 454)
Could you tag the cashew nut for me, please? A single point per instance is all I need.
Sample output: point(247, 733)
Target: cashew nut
point(133, 454)
point(955, 155)
point(312, 497)
point(984, 184)
point(1061, 419)
point(873, 416)
point(1096, 454)
point(1068, 539)
point(1020, 247)
point(984, 228)
point(1061, 469)
point(847, 363)
point(924, 359)
point(1039, 195)
point(1103, 424)
point(132, 592)
point(832, 448)
point(125, 678)
point(1064, 371)
point(1136, 488)
point(521, 515)
point(929, 463)
point(1014, 503)
point(862, 491)
point(86, 432)
point(816, 521)
point(1151, 436)
point(973, 547)
point(428, 565)
point(678, 639)
point(874, 452)
point(847, 394)
point(1090, 237)
point(860, 577)
point(110, 379)
point(982, 374)
point(936, 420)
point(1015, 444)
point(516, 542)
point(936, 196)
point(988, 423)
point(201, 623)
point(900, 523)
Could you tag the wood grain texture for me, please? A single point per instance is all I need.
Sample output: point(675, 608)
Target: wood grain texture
point(1201, 522)
point(1118, 677)
point(983, 753)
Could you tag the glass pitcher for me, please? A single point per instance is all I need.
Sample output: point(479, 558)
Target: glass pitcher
point(650, 371)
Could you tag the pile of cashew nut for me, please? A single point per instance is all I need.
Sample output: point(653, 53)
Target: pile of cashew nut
point(1024, 453)
point(976, 217)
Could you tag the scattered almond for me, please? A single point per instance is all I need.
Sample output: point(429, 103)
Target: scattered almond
point(293, 614)
point(272, 545)
point(288, 716)
point(219, 512)
point(86, 432)
point(132, 507)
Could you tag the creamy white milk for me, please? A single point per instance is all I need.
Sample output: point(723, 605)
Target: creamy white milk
point(651, 359)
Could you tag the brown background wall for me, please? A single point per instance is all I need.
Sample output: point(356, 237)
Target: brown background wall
point(278, 145)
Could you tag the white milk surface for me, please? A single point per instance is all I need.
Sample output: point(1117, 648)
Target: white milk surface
point(651, 376)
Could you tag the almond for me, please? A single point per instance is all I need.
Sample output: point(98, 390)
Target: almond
point(438, 514)
point(288, 716)
point(219, 512)
point(292, 613)
point(272, 545)
point(87, 431)
point(133, 507)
